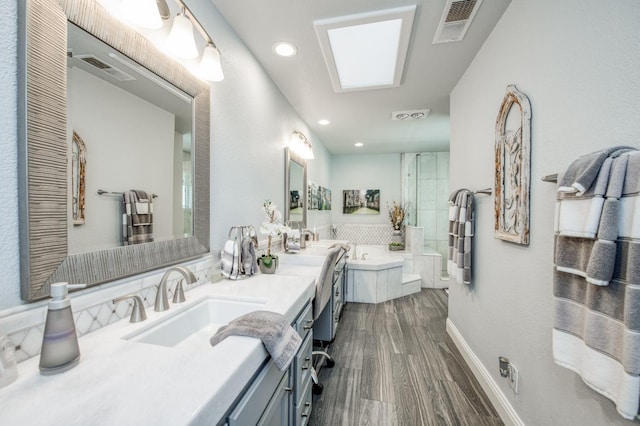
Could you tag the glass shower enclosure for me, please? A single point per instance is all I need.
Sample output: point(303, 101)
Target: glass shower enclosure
point(425, 186)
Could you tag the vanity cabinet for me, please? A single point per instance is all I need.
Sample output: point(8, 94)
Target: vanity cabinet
point(301, 378)
point(280, 398)
point(326, 324)
point(267, 402)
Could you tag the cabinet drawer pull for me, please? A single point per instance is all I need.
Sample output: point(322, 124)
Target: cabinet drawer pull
point(307, 410)
point(337, 293)
point(308, 325)
point(307, 363)
point(288, 389)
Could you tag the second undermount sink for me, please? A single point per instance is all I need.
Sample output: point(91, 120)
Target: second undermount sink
point(198, 321)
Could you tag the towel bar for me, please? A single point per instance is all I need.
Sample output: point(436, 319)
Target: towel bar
point(487, 191)
point(103, 192)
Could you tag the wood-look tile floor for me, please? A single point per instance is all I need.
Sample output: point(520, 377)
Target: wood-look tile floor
point(396, 365)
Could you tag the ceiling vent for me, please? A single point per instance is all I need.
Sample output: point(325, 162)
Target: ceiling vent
point(410, 114)
point(105, 67)
point(455, 21)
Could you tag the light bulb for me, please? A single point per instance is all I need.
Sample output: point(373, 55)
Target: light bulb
point(143, 13)
point(180, 41)
point(210, 68)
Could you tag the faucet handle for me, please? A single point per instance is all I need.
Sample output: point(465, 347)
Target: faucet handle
point(137, 313)
point(178, 294)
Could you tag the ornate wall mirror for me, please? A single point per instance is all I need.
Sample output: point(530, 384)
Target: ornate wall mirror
point(512, 162)
point(45, 151)
point(78, 166)
point(295, 188)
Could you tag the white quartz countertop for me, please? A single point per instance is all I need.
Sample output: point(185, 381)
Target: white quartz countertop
point(124, 382)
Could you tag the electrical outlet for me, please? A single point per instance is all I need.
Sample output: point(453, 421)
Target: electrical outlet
point(514, 376)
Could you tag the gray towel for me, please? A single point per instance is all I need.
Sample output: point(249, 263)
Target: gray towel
point(603, 256)
point(583, 172)
point(279, 338)
point(248, 256)
point(461, 231)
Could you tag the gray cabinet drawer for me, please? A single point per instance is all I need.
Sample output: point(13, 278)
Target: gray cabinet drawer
point(304, 324)
point(303, 409)
point(257, 398)
point(303, 364)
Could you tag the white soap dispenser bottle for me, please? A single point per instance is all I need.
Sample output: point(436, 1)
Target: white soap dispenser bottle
point(60, 351)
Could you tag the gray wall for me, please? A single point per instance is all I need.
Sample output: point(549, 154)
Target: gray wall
point(9, 255)
point(373, 171)
point(578, 62)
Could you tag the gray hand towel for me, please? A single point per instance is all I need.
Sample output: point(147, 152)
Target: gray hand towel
point(279, 338)
point(582, 173)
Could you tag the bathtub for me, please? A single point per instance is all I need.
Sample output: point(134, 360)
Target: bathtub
point(381, 276)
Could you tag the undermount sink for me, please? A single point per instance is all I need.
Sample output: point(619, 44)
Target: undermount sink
point(198, 321)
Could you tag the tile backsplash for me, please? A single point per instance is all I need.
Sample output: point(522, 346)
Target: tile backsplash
point(374, 234)
point(93, 308)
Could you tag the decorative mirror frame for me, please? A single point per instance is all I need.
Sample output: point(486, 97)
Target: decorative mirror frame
point(289, 157)
point(512, 163)
point(42, 141)
point(78, 164)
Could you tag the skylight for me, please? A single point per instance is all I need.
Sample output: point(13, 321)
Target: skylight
point(368, 50)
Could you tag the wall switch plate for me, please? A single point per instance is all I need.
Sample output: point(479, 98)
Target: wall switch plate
point(513, 377)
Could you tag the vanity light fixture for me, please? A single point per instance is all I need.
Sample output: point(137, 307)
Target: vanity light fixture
point(143, 13)
point(284, 48)
point(301, 145)
point(181, 42)
point(210, 67)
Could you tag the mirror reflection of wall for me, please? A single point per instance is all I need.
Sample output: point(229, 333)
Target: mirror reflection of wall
point(131, 143)
point(296, 191)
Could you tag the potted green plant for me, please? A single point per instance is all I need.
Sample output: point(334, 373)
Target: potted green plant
point(271, 227)
point(396, 216)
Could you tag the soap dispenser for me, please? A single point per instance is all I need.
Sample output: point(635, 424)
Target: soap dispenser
point(60, 351)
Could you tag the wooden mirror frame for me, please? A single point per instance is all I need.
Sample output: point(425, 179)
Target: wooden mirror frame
point(513, 167)
point(42, 147)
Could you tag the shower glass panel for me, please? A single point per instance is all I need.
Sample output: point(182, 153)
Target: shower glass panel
point(426, 184)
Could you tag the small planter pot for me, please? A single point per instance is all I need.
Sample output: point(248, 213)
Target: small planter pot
point(268, 264)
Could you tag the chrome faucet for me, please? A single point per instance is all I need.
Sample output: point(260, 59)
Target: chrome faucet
point(303, 239)
point(137, 311)
point(161, 303)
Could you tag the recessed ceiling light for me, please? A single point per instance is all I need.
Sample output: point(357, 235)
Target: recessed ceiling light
point(323, 122)
point(358, 144)
point(284, 48)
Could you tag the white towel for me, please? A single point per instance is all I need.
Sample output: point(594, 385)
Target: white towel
point(230, 260)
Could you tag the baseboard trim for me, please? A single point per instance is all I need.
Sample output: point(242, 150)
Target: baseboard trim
point(498, 399)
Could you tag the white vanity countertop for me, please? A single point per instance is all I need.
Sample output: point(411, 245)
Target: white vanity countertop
point(123, 382)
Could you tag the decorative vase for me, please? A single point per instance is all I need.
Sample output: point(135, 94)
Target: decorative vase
point(268, 264)
point(396, 240)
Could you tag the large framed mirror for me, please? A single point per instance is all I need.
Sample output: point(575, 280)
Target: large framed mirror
point(49, 247)
point(295, 188)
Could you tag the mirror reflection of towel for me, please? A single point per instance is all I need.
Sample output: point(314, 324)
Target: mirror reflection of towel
point(137, 220)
